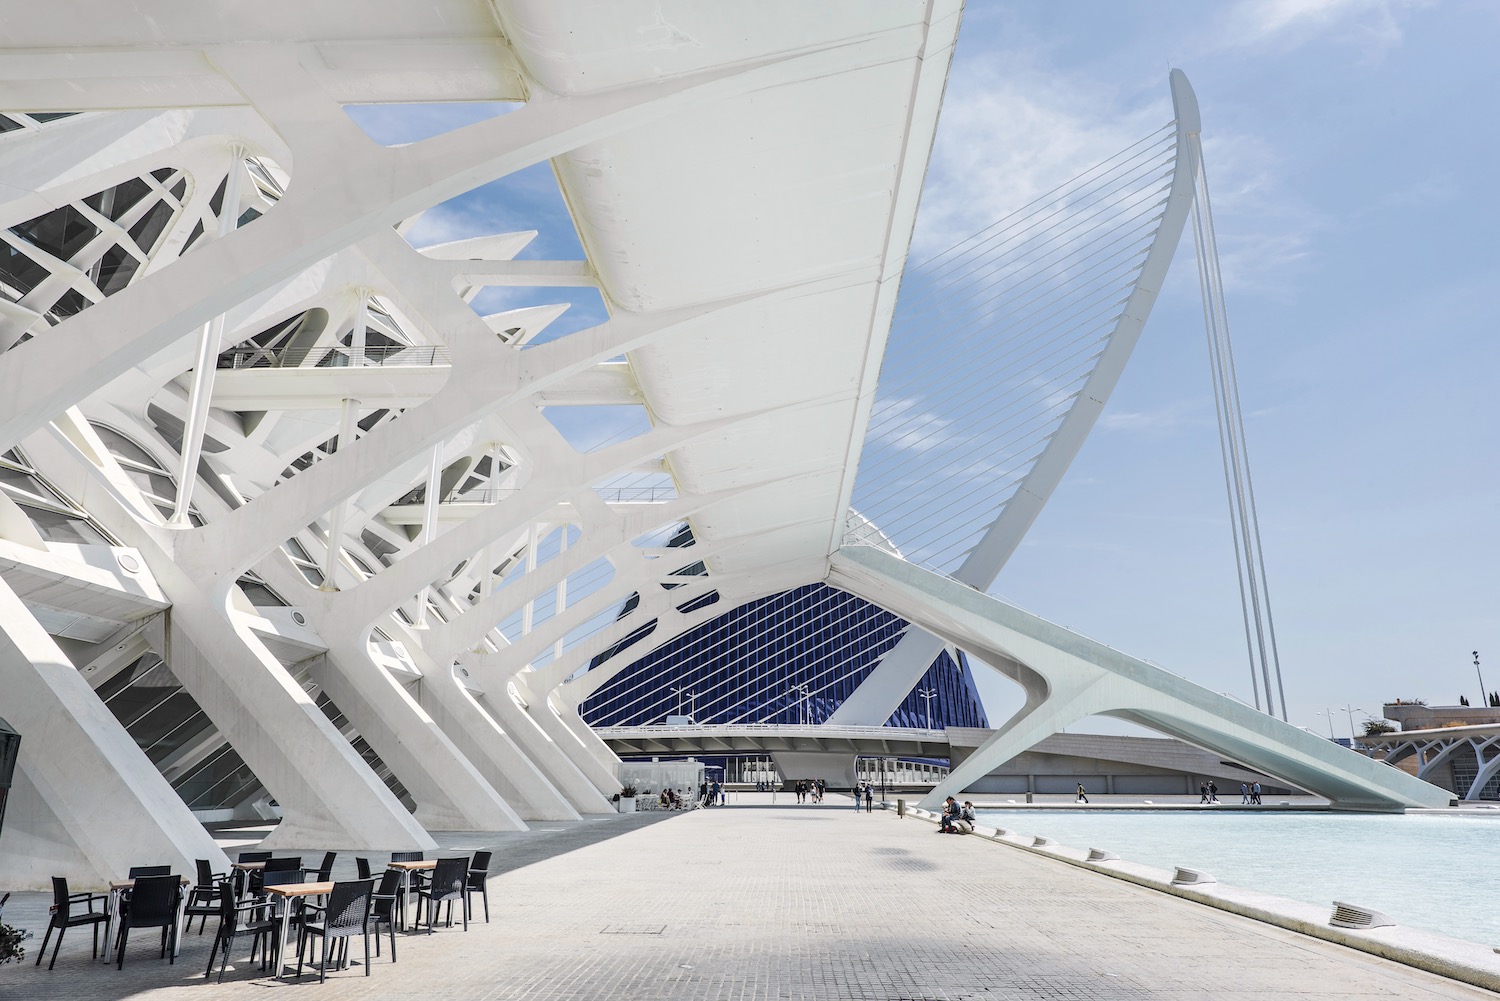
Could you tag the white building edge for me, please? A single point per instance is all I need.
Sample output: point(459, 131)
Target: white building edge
point(744, 184)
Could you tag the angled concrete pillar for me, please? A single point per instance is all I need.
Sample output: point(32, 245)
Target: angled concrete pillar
point(487, 744)
point(451, 793)
point(545, 752)
point(89, 804)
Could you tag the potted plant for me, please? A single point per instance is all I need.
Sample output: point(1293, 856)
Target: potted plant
point(10, 944)
point(627, 799)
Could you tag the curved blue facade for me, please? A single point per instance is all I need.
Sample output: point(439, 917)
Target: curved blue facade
point(792, 657)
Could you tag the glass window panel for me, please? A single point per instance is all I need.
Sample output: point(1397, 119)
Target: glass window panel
point(148, 228)
point(62, 232)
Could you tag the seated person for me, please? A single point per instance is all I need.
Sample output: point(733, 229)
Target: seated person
point(965, 822)
point(950, 817)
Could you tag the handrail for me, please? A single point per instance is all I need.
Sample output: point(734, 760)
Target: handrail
point(334, 356)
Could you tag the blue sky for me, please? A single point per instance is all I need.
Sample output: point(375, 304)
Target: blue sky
point(1350, 146)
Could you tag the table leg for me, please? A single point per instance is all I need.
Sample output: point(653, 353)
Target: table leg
point(405, 895)
point(109, 926)
point(181, 914)
point(286, 926)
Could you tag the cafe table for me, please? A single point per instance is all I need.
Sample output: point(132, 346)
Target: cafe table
point(406, 869)
point(289, 892)
point(116, 891)
point(246, 868)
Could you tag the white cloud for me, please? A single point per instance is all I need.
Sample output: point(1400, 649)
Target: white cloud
point(1374, 25)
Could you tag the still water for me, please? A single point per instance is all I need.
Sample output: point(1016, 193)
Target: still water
point(1427, 871)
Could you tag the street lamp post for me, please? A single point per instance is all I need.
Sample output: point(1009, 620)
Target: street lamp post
point(928, 694)
point(1351, 710)
point(679, 693)
point(693, 702)
point(1484, 693)
point(1329, 714)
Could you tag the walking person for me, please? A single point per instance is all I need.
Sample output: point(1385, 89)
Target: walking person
point(1255, 793)
point(1202, 792)
point(869, 798)
point(1083, 797)
point(859, 791)
point(1213, 791)
point(1244, 794)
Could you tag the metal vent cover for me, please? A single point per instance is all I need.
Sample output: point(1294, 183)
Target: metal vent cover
point(1354, 916)
point(1183, 876)
point(1102, 855)
point(1041, 842)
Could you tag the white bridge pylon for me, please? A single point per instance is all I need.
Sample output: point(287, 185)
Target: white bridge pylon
point(1068, 676)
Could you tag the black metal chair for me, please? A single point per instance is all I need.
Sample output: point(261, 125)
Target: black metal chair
point(362, 866)
point(203, 897)
point(64, 917)
point(383, 910)
point(346, 915)
point(289, 863)
point(137, 871)
point(415, 880)
point(231, 927)
point(151, 903)
point(325, 871)
point(239, 874)
point(479, 871)
point(450, 881)
point(280, 877)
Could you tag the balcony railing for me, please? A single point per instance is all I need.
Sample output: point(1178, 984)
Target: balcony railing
point(383, 356)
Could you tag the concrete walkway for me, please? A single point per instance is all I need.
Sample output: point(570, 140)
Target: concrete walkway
point(788, 902)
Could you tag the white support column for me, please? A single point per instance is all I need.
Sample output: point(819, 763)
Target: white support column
point(528, 611)
point(562, 589)
point(210, 339)
point(429, 521)
point(347, 417)
point(358, 331)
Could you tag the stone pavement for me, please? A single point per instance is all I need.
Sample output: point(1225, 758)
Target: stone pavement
point(788, 902)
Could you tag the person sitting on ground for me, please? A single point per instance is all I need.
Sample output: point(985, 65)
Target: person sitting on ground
point(947, 824)
point(965, 822)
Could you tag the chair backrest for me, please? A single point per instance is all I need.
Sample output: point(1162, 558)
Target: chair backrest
point(283, 864)
point(281, 877)
point(205, 873)
point(481, 861)
point(152, 902)
point(385, 897)
point(137, 871)
point(59, 898)
point(325, 871)
point(349, 904)
point(406, 856)
point(362, 866)
point(253, 856)
point(450, 877)
point(229, 918)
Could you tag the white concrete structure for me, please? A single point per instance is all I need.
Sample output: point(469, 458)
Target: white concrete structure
point(286, 530)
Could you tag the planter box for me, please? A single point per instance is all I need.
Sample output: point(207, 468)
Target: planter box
point(627, 805)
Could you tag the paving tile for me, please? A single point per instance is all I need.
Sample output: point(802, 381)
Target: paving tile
point(788, 903)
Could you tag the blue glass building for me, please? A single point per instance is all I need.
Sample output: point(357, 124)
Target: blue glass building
point(791, 657)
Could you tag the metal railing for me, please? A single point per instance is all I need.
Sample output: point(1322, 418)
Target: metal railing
point(403, 355)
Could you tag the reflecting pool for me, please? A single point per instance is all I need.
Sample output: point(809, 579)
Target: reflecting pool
point(1427, 871)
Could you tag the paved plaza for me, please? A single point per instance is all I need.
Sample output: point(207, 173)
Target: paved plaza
point(788, 902)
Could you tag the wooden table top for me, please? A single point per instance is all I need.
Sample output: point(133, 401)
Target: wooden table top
point(247, 866)
point(300, 889)
point(430, 863)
